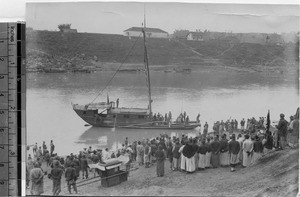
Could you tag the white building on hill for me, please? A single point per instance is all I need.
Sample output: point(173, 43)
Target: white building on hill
point(195, 35)
point(150, 32)
point(69, 30)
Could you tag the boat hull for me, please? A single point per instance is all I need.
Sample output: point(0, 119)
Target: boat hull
point(165, 127)
point(133, 122)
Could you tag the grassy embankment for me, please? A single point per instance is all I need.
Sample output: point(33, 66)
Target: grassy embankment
point(56, 52)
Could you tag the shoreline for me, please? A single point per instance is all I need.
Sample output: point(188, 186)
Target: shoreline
point(172, 68)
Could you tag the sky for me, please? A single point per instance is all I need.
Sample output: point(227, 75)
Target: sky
point(115, 17)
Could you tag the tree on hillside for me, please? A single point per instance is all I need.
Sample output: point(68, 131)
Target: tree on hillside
point(64, 26)
point(179, 34)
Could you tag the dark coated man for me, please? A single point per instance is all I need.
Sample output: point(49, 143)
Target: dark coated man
point(56, 174)
point(282, 131)
point(234, 149)
point(71, 177)
point(84, 167)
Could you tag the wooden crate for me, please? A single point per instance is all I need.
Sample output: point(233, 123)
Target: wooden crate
point(111, 181)
point(123, 175)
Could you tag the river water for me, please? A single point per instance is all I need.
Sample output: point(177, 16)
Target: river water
point(216, 95)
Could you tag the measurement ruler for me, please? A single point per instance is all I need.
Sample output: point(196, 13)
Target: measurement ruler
point(12, 109)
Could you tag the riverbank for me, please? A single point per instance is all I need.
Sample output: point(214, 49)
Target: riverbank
point(272, 175)
point(51, 52)
point(136, 68)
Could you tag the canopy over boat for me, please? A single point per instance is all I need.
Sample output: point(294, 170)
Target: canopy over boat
point(94, 106)
point(123, 110)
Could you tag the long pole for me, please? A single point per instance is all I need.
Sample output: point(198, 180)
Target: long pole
point(147, 65)
point(144, 16)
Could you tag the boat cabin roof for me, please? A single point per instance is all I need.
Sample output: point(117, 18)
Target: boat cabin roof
point(94, 106)
point(140, 111)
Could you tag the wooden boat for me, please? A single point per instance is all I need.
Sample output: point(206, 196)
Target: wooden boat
point(109, 114)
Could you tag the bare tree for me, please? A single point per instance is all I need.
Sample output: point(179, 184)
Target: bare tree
point(61, 27)
point(179, 34)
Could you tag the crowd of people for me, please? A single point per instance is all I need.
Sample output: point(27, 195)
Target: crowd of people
point(220, 148)
point(183, 118)
point(251, 125)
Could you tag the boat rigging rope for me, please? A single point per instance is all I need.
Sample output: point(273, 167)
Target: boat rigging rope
point(116, 70)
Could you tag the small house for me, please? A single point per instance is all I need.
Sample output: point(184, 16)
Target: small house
point(195, 35)
point(65, 30)
point(150, 32)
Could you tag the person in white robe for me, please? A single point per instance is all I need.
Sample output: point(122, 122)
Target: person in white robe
point(202, 150)
point(37, 180)
point(224, 154)
point(140, 153)
point(189, 154)
point(208, 154)
point(182, 158)
point(247, 150)
point(240, 139)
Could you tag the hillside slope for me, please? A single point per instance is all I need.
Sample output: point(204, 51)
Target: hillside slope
point(47, 49)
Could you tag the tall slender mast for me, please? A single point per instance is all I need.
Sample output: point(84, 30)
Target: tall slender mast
point(147, 65)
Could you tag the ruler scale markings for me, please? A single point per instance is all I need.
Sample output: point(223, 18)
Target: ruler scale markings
point(12, 85)
point(3, 115)
point(12, 103)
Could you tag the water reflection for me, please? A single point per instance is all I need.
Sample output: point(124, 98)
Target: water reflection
point(113, 139)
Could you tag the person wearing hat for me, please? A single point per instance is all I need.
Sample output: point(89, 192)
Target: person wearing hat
point(189, 153)
point(240, 140)
point(282, 131)
point(140, 153)
point(234, 149)
point(37, 180)
point(182, 158)
point(160, 157)
point(52, 147)
point(71, 177)
point(34, 149)
point(224, 154)
point(153, 147)
point(147, 150)
point(289, 137)
point(77, 166)
point(247, 150)
point(84, 167)
point(242, 124)
point(56, 174)
point(68, 161)
point(202, 150)
point(176, 155)
point(257, 149)
point(295, 133)
point(208, 153)
point(215, 152)
point(44, 147)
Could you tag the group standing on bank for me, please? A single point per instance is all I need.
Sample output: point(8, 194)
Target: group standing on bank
point(225, 146)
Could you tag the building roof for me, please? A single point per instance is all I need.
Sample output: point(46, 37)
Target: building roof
point(195, 33)
point(136, 111)
point(148, 29)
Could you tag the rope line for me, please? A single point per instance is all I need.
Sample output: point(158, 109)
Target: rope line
point(116, 70)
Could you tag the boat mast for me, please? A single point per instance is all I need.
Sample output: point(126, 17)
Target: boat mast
point(147, 65)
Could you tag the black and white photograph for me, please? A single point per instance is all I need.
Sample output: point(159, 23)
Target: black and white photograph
point(162, 99)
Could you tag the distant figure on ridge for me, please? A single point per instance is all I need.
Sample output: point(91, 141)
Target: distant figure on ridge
point(282, 132)
point(51, 147)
